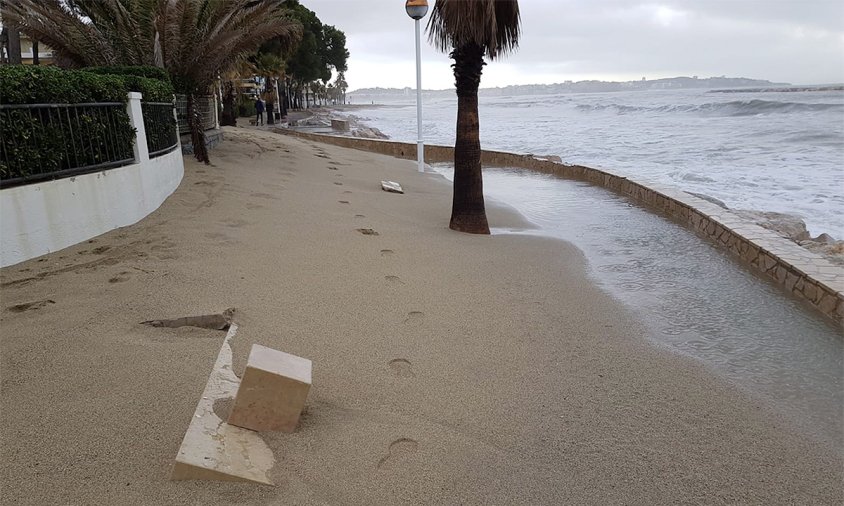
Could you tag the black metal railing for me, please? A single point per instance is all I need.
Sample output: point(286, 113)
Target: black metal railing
point(49, 141)
point(160, 125)
point(205, 106)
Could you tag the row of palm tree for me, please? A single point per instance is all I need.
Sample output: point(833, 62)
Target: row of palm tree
point(194, 40)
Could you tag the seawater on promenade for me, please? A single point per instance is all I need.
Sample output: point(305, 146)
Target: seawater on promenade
point(696, 298)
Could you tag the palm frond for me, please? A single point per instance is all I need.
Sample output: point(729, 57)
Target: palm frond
point(493, 25)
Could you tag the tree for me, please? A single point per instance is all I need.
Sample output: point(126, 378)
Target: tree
point(471, 30)
point(194, 40)
point(341, 85)
point(269, 66)
point(323, 48)
point(279, 49)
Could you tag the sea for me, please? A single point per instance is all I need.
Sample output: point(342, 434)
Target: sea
point(762, 151)
point(756, 150)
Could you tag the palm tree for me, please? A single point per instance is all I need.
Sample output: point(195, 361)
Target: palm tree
point(271, 67)
point(194, 40)
point(341, 84)
point(470, 30)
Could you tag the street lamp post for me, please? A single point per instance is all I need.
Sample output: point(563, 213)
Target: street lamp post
point(417, 9)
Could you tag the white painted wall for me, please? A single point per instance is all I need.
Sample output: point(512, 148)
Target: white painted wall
point(39, 218)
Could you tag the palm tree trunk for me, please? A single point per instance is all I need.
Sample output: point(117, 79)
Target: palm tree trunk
point(197, 134)
point(468, 213)
point(13, 45)
point(35, 59)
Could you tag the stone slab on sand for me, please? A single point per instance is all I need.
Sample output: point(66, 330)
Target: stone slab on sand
point(213, 449)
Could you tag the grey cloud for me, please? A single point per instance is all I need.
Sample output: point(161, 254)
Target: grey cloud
point(797, 41)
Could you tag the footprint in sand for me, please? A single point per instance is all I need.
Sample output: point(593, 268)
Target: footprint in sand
point(30, 306)
point(400, 452)
point(401, 367)
point(367, 231)
point(263, 196)
point(346, 192)
point(338, 183)
point(414, 316)
point(233, 223)
point(100, 250)
point(343, 201)
point(332, 168)
point(394, 279)
point(387, 252)
point(120, 277)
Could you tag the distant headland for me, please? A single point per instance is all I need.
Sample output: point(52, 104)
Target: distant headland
point(591, 86)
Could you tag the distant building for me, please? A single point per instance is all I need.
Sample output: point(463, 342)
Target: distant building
point(45, 53)
point(249, 87)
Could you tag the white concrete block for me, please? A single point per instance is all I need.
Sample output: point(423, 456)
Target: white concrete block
point(272, 392)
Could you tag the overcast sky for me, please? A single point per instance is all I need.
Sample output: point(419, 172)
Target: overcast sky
point(795, 41)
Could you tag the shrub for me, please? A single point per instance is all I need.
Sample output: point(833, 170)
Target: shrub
point(140, 71)
point(29, 84)
point(246, 107)
point(152, 82)
point(153, 90)
point(39, 141)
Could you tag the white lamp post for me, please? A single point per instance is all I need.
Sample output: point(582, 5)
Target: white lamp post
point(417, 9)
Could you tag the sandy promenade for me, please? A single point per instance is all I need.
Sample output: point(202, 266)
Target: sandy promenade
point(448, 368)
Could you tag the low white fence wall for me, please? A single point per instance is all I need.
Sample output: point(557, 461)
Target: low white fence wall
point(39, 218)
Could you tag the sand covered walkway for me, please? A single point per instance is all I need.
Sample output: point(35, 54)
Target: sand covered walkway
point(448, 368)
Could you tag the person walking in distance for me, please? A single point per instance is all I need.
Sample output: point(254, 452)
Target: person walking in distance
point(259, 108)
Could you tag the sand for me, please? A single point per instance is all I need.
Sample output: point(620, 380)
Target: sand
point(448, 368)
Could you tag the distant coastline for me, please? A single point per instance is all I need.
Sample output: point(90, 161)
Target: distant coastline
point(789, 89)
point(670, 83)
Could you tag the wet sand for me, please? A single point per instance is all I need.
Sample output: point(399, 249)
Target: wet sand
point(448, 368)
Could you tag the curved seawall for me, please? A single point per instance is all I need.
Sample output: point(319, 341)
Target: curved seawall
point(804, 274)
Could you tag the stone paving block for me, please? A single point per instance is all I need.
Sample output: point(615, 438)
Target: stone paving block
point(272, 392)
point(213, 449)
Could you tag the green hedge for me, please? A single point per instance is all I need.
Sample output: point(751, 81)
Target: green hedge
point(153, 90)
point(152, 82)
point(37, 141)
point(28, 84)
point(140, 71)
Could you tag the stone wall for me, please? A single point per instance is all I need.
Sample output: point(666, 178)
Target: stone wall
point(799, 271)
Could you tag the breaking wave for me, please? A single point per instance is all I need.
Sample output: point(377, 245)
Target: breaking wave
point(734, 108)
